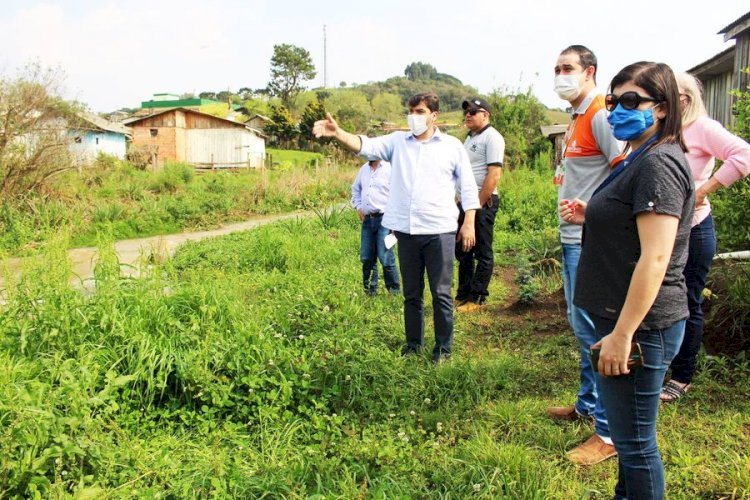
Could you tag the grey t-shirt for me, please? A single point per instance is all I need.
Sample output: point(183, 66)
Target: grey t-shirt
point(658, 180)
point(485, 149)
point(585, 171)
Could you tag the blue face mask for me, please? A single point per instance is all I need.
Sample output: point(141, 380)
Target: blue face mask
point(629, 124)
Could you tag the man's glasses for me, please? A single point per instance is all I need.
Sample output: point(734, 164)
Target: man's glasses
point(628, 100)
point(472, 112)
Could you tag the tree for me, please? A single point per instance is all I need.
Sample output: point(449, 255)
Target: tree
point(387, 107)
point(420, 71)
point(34, 125)
point(314, 111)
point(519, 116)
point(281, 128)
point(290, 66)
point(351, 108)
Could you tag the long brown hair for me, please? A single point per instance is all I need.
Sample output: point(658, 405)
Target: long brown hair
point(658, 80)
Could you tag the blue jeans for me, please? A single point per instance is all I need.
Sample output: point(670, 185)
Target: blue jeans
point(372, 250)
point(587, 402)
point(432, 253)
point(700, 256)
point(632, 404)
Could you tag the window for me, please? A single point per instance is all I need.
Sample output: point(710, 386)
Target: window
point(77, 139)
point(154, 132)
point(97, 140)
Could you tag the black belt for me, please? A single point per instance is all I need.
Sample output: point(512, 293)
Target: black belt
point(375, 214)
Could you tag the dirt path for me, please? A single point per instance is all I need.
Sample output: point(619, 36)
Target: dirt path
point(132, 253)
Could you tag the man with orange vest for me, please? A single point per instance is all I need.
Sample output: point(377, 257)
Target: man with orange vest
point(589, 152)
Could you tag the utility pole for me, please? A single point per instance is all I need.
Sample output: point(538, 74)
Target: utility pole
point(325, 58)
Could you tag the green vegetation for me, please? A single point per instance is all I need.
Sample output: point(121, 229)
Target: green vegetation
point(117, 199)
point(731, 206)
point(252, 365)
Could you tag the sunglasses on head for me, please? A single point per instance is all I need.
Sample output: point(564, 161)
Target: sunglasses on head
point(628, 100)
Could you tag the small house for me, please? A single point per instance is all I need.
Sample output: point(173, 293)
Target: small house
point(726, 71)
point(258, 122)
point(92, 135)
point(200, 139)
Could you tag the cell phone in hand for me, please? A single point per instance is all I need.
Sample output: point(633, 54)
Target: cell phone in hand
point(635, 360)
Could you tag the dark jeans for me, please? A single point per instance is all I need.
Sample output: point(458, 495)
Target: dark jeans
point(632, 405)
point(700, 255)
point(372, 249)
point(434, 253)
point(475, 266)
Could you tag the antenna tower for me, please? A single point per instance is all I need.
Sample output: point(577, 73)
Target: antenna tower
point(325, 58)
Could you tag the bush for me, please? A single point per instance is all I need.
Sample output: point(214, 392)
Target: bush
point(728, 309)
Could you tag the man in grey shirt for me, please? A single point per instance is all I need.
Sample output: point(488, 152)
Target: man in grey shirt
point(485, 147)
point(589, 150)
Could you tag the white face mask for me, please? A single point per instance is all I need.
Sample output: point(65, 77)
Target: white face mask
point(568, 87)
point(417, 124)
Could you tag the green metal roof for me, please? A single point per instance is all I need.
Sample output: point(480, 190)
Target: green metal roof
point(183, 103)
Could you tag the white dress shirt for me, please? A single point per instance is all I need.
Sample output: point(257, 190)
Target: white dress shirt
point(424, 178)
point(370, 188)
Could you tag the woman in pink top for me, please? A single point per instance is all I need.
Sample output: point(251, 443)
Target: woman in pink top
point(706, 140)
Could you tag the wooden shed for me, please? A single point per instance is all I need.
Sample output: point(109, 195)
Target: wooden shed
point(725, 71)
point(258, 121)
point(556, 135)
point(200, 139)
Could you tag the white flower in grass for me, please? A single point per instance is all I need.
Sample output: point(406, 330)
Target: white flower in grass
point(348, 378)
point(477, 487)
point(405, 439)
point(391, 415)
point(306, 376)
point(412, 413)
point(270, 362)
point(333, 415)
point(401, 434)
point(278, 335)
point(326, 308)
point(301, 337)
point(439, 427)
point(427, 401)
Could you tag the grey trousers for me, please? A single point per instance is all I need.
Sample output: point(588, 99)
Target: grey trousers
point(433, 253)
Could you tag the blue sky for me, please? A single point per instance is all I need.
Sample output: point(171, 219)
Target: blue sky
point(116, 54)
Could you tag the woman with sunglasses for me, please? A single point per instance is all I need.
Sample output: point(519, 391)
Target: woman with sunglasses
point(630, 281)
point(706, 140)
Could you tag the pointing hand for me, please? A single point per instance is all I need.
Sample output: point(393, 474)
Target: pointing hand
point(325, 128)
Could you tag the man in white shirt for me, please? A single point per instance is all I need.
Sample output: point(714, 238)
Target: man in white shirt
point(369, 198)
point(427, 167)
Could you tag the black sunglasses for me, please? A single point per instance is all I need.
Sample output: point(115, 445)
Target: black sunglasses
point(628, 100)
point(472, 112)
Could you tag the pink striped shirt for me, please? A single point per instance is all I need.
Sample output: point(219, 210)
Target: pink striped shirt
point(706, 140)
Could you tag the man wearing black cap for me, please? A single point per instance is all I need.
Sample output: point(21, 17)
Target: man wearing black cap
point(486, 148)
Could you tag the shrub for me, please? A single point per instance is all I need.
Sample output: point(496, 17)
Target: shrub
point(728, 308)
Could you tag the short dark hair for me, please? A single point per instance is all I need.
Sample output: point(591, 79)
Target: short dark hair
point(658, 80)
point(430, 99)
point(585, 55)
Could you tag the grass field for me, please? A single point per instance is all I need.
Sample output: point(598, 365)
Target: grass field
point(253, 366)
point(113, 197)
